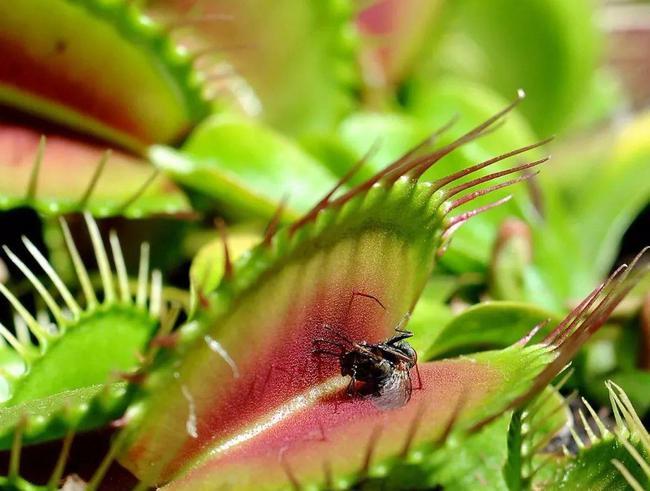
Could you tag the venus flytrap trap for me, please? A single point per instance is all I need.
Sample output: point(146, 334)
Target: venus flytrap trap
point(634, 437)
point(54, 70)
point(288, 410)
point(55, 174)
point(239, 388)
point(308, 441)
point(380, 216)
point(72, 373)
point(605, 456)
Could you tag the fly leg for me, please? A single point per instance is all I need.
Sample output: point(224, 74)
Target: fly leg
point(328, 349)
point(337, 334)
point(356, 294)
point(410, 389)
point(417, 371)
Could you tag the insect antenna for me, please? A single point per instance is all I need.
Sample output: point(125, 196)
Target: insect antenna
point(365, 295)
point(356, 294)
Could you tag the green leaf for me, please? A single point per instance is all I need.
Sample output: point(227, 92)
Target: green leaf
point(381, 138)
point(98, 67)
point(624, 178)
point(58, 175)
point(579, 237)
point(487, 325)
point(247, 167)
point(547, 47)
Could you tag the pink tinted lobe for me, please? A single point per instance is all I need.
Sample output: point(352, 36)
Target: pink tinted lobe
point(346, 435)
point(68, 167)
point(52, 81)
point(276, 365)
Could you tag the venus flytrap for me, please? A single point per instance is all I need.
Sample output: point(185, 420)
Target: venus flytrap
point(56, 66)
point(606, 456)
point(288, 412)
point(55, 174)
point(240, 389)
point(71, 375)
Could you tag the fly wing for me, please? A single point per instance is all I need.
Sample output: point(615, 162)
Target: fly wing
point(394, 392)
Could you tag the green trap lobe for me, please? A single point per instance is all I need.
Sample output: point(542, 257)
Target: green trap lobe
point(97, 332)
